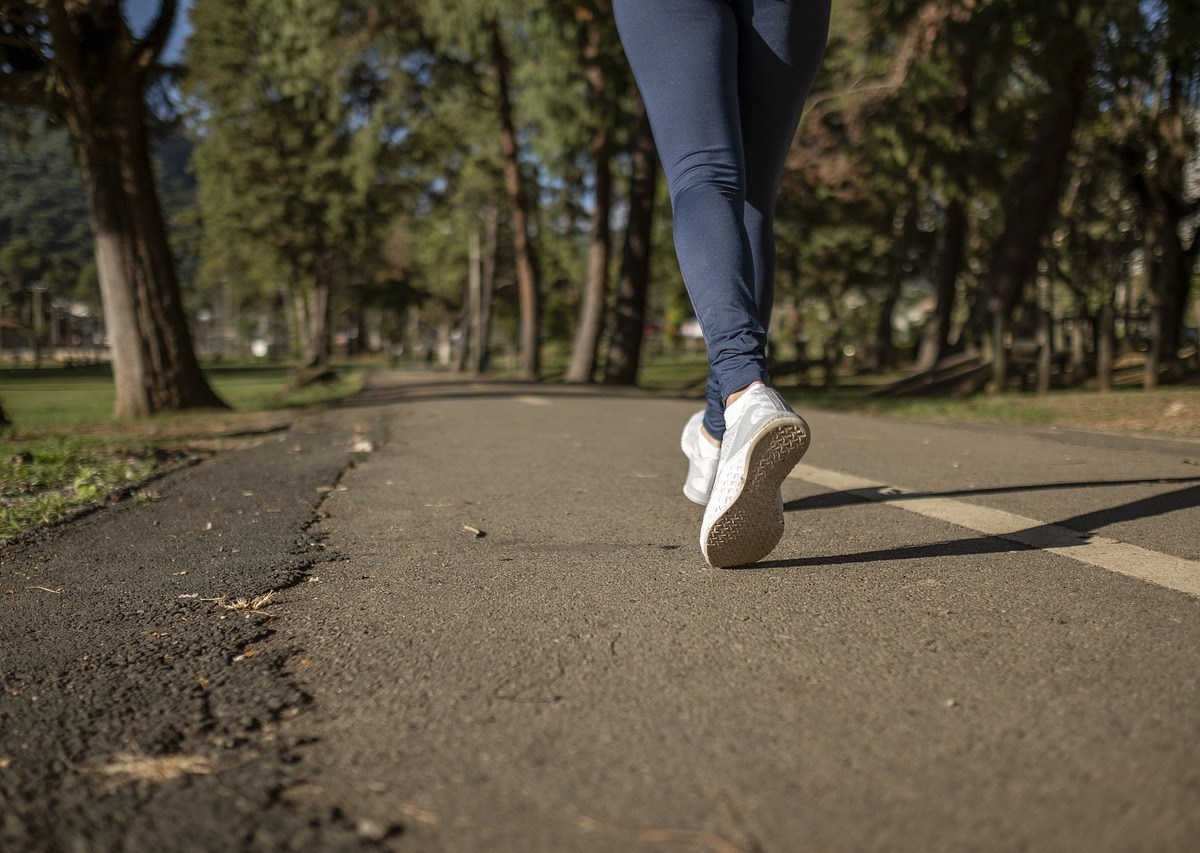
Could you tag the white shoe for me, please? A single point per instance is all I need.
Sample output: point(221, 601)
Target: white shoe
point(763, 441)
point(702, 457)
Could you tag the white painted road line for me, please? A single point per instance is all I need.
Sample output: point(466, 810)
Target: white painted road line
point(1120, 557)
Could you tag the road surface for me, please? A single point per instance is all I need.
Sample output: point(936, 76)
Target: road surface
point(491, 629)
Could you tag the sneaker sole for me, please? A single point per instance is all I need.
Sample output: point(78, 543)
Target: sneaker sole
point(753, 525)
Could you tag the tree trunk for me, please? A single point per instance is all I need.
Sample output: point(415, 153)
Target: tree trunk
point(312, 315)
point(829, 360)
point(481, 359)
point(1045, 358)
point(591, 316)
point(1105, 344)
point(101, 80)
point(883, 349)
point(526, 257)
point(935, 340)
point(470, 316)
point(624, 350)
point(1079, 355)
point(1034, 198)
point(999, 353)
point(1154, 351)
point(1159, 180)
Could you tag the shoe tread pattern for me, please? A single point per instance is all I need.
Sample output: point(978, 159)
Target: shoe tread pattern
point(753, 524)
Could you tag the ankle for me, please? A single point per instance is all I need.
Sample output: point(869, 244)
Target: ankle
point(733, 398)
point(715, 442)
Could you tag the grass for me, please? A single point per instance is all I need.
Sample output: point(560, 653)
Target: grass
point(67, 451)
point(44, 478)
point(1171, 411)
point(57, 397)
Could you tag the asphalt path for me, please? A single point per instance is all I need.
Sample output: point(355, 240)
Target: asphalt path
point(492, 630)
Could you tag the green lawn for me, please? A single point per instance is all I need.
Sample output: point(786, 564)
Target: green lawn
point(57, 397)
point(1171, 411)
point(43, 478)
point(1168, 411)
point(67, 451)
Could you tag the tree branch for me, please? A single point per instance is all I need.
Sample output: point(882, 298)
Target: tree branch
point(150, 46)
point(880, 86)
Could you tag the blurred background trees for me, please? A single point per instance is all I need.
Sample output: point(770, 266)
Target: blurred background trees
point(983, 194)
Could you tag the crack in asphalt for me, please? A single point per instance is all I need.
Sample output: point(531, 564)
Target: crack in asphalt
point(124, 665)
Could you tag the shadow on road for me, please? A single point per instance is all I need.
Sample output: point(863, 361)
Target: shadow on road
point(1053, 535)
point(830, 500)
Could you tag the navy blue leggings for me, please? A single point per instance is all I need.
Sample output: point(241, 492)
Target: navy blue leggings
point(724, 82)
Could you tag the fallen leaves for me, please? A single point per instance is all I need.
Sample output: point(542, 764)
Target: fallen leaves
point(696, 838)
point(140, 768)
point(242, 605)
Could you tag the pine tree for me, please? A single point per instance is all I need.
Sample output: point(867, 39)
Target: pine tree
point(290, 147)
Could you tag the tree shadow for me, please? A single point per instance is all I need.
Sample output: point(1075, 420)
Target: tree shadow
point(1074, 531)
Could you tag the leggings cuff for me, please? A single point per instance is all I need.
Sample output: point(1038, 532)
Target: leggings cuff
point(736, 380)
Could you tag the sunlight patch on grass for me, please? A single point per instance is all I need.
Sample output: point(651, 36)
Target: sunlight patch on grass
point(62, 398)
point(66, 451)
point(43, 479)
point(1171, 411)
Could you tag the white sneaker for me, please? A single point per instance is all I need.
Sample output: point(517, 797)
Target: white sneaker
point(702, 457)
point(764, 439)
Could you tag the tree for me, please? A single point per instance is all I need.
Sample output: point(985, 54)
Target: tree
point(633, 281)
point(1034, 191)
point(80, 62)
point(516, 186)
point(21, 263)
point(43, 199)
point(1157, 138)
point(603, 84)
point(292, 147)
point(479, 33)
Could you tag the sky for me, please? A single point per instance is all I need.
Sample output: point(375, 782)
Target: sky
point(141, 13)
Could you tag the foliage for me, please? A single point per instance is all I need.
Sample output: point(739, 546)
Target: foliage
point(44, 211)
point(292, 141)
point(943, 104)
point(358, 148)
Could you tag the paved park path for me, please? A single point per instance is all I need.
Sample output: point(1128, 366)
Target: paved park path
point(492, 630)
